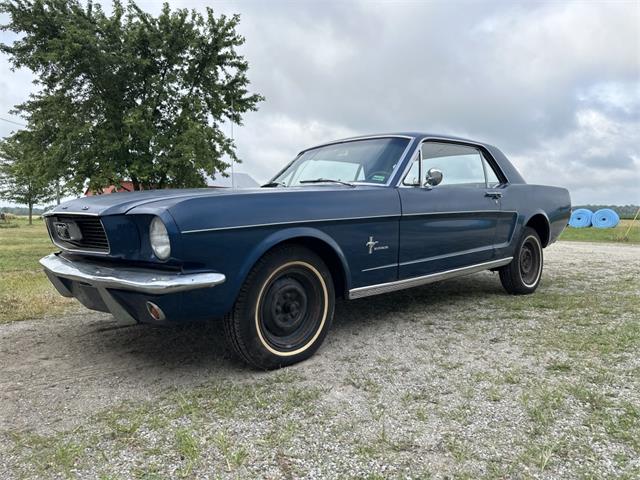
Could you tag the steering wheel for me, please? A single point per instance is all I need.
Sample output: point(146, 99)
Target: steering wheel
point(377, 173)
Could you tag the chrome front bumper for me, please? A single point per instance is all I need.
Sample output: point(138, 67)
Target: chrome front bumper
point(150, 282)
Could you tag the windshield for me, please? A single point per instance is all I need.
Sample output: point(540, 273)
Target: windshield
point(370, 161)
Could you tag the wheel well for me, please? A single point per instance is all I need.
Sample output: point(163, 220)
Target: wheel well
point(330, 258)
point(540, 224)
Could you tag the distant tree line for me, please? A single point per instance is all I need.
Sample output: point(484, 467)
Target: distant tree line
point(121, 96)
point(22, 211)
point(623, 211)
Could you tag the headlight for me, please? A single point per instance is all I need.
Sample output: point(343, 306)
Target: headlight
point(159, 239)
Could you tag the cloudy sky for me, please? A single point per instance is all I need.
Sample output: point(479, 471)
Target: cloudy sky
point(555, 85)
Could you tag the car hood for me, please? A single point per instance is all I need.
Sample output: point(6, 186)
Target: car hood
point(122, 202)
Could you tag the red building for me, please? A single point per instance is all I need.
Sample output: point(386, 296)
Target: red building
point(124, 187)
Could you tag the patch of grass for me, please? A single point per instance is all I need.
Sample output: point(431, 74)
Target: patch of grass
point(621, 423)
point(383, 444)
point(604, 234)
point(540, 454)
point(512, 376)
point(172, 427)
point(364, 383)
point(456, 447)
point(233, 455)
point(65, 455)
point(25, 291)
point(422, 414)
point(55, 453)
point(558, 366)
point(188, 448)
point(542, 405)
point(494, 394)
point(123, 422)
point(186, 445)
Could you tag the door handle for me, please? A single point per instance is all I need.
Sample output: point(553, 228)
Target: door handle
point(495, 195)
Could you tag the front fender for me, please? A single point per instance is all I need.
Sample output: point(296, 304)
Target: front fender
point(289, 234)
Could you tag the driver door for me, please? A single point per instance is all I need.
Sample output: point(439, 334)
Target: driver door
point(452, 224)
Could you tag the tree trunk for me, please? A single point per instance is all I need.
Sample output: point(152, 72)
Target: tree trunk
point(30, 213)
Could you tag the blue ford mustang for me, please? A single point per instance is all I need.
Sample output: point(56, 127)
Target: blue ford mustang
point(351, 218)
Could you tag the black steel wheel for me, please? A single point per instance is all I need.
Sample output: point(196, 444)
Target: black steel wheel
point(284, 309)
point(522, 275)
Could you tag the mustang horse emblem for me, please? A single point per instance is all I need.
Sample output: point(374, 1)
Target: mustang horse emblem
point(370, 244)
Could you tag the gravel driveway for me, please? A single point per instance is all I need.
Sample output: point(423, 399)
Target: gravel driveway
point(453, 379)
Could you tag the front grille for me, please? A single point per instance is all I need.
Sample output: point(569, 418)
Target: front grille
point(93, 237)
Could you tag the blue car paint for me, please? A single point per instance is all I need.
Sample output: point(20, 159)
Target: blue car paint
point(418, 230)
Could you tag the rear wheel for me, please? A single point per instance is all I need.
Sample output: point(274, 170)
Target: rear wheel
point(522, 275)
point(284, 309)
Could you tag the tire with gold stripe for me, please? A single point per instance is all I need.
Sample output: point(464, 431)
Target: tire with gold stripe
point(284, 309)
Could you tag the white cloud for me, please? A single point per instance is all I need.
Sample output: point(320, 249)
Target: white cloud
point(597, 160)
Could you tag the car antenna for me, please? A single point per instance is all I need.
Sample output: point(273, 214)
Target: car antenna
point(233, 176)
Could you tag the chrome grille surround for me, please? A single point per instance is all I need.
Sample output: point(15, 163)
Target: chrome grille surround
point(94, 237)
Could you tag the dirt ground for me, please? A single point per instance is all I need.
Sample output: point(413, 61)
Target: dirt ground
point(453, 379)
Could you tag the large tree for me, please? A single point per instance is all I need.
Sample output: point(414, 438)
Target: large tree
point(127, 95)
point(22, 179)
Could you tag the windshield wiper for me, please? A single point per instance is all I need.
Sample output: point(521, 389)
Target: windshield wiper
point(274, 184)
point(327, 180)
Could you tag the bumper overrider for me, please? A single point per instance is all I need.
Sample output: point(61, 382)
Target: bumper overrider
point(111, 290)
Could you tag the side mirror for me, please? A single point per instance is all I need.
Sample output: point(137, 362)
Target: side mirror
point(433, 178)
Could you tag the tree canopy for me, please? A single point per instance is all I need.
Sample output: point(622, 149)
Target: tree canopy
point(127, 95)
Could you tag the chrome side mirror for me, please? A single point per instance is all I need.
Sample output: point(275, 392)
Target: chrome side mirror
point(433, 178)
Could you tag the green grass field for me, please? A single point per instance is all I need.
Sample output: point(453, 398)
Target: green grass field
point(616, 234)
point(25, 292)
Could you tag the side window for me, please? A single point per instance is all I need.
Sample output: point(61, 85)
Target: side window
point(492, 178)
point(460, 165)
point(412, 177)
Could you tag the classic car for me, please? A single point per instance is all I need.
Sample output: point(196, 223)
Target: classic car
point(350, 218)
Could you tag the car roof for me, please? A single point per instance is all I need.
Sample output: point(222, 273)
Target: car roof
point(412, 135)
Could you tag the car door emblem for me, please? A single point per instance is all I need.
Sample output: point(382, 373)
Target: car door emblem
point(370, 244)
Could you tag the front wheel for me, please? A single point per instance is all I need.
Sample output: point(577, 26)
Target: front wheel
point(522, 275)
point(284, 309)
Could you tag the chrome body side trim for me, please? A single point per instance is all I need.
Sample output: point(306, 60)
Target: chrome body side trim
point(152, 282)
point(448, 255)
point(391, 265)
point(454, 212)
point(294, 222)
point(424, 279)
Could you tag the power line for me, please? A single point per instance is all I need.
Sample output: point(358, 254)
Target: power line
point(11, 121)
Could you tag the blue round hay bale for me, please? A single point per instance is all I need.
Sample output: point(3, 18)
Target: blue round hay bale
point(580, 218)
point(605, 218)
